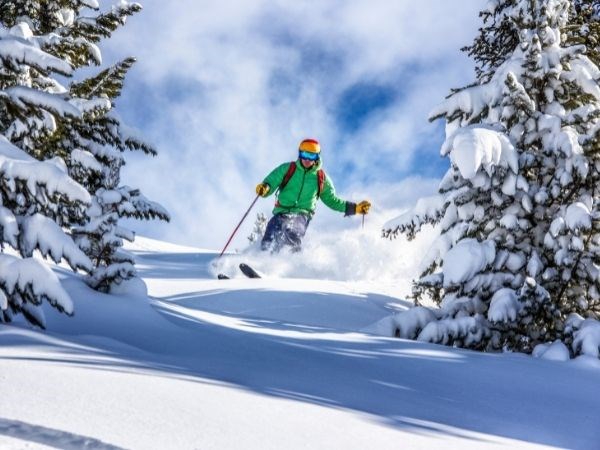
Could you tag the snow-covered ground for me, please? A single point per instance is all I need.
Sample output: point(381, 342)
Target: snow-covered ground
point(288, 361)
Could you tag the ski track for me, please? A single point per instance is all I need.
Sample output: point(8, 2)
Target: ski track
point(49, 437)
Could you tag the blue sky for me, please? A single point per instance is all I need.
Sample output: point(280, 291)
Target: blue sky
point(227, 89)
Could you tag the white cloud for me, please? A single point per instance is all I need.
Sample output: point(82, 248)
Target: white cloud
point(227, 89)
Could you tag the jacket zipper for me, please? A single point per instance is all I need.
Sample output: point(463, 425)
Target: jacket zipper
point(301, 187)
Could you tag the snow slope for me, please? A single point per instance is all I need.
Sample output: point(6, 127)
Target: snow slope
point(271, 363)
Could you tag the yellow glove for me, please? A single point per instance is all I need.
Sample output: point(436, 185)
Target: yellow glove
point(363, 207)
point(262, 189)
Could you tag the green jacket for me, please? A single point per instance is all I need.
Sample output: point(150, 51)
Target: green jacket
point(300, 193)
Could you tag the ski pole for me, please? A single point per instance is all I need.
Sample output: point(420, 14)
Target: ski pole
point(363, 222)
point(239, 224)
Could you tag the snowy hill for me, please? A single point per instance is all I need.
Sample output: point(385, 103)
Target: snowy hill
point(281, 362)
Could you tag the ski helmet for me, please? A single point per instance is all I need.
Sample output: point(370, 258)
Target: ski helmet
point(310, 146)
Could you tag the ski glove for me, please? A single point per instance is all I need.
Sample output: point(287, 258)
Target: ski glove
point(262, 189)
point(363, 207)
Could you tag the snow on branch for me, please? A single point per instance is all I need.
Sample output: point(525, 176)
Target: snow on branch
point(466, 259)
point(474, 147)
point(409, 323)
point(32, 280)
point(555, 351)
point(578, 216)
point(470, 100)
point(117, 272)
point(91, 105)
point(86, 160)
point(8, 226)
point(93, 4)
point(586, 340)
point(585, 74)
point(136, 205)
point(22, 52)
point(453, 306)
point(470, 330)
point(504, 306)
point(23, 97)
point(427, 210)
point(41, 233)
point(15, 164)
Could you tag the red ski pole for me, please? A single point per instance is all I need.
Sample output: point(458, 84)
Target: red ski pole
point(239, 224)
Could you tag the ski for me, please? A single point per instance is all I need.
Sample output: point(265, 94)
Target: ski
point(246, 270)
point(249, 271)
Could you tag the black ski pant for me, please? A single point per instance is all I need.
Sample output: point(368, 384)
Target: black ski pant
point(285, 229)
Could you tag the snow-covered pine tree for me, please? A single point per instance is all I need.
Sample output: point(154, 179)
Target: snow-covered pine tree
point(517, 262)
point(260, 225)
point(96, 145)
point(32, 189)
point(93, 144)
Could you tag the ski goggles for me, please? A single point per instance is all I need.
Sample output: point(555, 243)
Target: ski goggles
point(308, 155)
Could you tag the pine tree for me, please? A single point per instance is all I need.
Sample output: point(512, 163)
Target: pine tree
point(518, 257)
point(32, 187)
point(92, 145)
point(51, 136)
point(98, 142)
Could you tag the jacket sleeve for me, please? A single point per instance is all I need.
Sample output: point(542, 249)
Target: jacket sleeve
point(275, 178)
point(330, 198)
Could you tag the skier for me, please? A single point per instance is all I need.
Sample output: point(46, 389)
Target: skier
point(299, 185)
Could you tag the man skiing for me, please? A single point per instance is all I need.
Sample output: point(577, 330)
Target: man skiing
point(299, 185)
